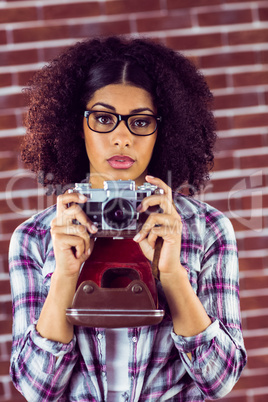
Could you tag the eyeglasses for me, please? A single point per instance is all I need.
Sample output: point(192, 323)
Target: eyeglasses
point(105, 122)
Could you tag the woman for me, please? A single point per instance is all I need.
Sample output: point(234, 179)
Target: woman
point(75, 127)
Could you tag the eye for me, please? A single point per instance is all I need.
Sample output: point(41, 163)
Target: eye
point(104, 118)
point(141, 122)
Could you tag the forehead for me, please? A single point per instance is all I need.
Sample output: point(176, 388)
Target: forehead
point(122, 94)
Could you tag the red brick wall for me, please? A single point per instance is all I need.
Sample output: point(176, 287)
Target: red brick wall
point(228, 40)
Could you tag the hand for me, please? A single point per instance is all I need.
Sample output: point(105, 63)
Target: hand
point(167, 225)
point(71, 242)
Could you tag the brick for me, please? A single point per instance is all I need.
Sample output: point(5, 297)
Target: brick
point(2, 390)
point(6, 306)
point(246, 202)
point(70, 31)
point(7, 121)
point(234, 398)
point(256, 302)
point(264, 56)
point(18, 14)
point(224, 17)
point(40, 33)
point(229, 59)
point(236, 100)
point(256, 282)
point(18, 57)
point(12, 101)
point(70, 10)
point(10, 143)
point(251, 78)
point(253, 161)
point(50, 53)
point(10, 163)
point(247, 264)
point(250, 120)
point(223, 123)
point(249, 222)
point(260, 398)
point(131, 6)
point(263, 13)
point(256, 342)
point(255, 243)
point(239, 142)
point(3, 37)
point(24, 77)
point(216, 81)
point(4, 366)
point(4, 287)
point(16, 204)
point(9, 226)
point(254, 381)
point(223, 163)
point(21, 183)
point(5, 80)
point(175, 4)
point(4, 257)
point(182, 20)
point(100, 28)
point(248, 37)
point(6, 327)
point(194, 41)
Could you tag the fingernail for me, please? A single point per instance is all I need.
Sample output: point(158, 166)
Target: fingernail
point(139, 207)
point(94, 228)
point(82, 197)
point(149, 177)
point(88, 251)
point(136, 238)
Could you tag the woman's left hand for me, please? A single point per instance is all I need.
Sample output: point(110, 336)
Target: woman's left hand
point(166, 224)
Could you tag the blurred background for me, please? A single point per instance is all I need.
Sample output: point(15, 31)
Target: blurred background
point(228, 41)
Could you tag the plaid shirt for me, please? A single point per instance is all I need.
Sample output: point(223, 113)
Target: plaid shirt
point(158, 368)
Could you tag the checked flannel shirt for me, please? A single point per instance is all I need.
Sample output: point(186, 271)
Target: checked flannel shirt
point(158, 368)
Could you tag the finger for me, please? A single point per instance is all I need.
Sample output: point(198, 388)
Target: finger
point(75, 212)
point(76, 231)
point(160, 184)
point(163, 201)
point(65, 199)
point(67, 243)
point(160, 225)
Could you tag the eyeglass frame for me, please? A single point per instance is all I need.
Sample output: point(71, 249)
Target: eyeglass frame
point(122, 117)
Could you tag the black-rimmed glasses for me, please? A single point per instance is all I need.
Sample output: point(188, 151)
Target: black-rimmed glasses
point(105, 122)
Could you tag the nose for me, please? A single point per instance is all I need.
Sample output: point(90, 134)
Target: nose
point(121, 136)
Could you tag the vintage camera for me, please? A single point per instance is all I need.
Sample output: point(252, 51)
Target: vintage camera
point(113, 209)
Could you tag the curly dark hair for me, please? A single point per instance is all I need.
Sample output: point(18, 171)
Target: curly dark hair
point(54, 147)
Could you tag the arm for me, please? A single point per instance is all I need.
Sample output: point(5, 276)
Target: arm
point(205, 316)
point(39, 367)
point(44, 352)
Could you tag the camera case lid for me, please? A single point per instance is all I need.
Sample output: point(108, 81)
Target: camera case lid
point(116, 288)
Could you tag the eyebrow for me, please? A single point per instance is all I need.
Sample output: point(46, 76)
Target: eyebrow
point(139, 110)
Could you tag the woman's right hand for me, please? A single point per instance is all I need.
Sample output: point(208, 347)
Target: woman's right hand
point(72, 242)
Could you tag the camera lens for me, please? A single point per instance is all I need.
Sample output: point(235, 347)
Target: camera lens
point(118, 213)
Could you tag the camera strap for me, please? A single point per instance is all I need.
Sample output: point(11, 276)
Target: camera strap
point(157, 250)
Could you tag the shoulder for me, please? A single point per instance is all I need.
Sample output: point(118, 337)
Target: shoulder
point(206, 219)
point(35, 229)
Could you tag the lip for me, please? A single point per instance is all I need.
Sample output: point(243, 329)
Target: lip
point(120, 161)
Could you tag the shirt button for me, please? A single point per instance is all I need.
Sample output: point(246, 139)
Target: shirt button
point(99, 336)
point(103, 373)
point(134, 339)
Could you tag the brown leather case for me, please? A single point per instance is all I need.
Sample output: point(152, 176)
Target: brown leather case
point(116, 288)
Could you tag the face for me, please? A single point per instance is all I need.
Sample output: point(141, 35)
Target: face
point(119, 154)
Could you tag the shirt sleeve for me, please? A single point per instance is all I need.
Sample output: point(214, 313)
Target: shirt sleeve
point(218, 354)
point(40, 368)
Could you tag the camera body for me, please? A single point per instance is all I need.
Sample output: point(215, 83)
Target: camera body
point(113, 209)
